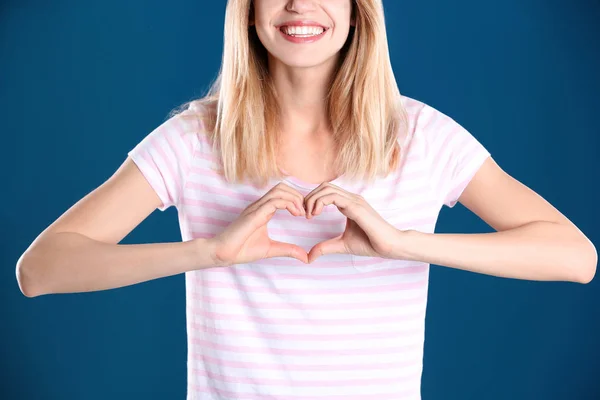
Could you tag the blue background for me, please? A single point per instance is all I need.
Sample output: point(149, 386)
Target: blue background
point(82, 82)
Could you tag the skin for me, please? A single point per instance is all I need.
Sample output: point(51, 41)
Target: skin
point(533, 240)
point(301, 71)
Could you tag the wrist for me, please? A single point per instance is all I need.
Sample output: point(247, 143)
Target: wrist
point(206, 253)
point(404, 245)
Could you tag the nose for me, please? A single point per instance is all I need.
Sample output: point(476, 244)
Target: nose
point(301, 6)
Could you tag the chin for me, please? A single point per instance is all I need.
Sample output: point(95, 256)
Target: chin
point(299, 61)
point(302, 64)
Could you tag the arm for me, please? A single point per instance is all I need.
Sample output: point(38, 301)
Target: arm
point(533, 240)
point(68, 262)
point(79, 251)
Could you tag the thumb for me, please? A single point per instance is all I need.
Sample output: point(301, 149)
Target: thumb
point(281, 249)
point(330, 246)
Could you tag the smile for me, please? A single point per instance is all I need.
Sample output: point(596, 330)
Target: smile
point(302, 34)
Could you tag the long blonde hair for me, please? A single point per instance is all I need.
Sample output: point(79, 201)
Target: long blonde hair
point(364, 104)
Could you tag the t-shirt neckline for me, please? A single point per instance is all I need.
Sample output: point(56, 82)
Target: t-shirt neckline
point(339, 181)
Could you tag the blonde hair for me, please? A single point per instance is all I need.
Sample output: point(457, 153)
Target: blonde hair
point(241, 113)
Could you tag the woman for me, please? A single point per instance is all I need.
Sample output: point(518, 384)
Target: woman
point(308, 190)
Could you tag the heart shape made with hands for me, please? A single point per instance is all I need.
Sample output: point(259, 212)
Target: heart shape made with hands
point(366, 232)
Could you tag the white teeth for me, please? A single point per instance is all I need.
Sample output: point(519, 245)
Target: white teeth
point(302, 30)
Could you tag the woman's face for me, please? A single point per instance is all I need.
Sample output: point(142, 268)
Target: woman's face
point(325, 28)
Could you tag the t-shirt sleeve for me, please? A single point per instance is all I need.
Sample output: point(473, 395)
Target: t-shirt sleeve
point(165, 155)
point(453, 154)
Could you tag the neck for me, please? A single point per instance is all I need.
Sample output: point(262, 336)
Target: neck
point(302, 93)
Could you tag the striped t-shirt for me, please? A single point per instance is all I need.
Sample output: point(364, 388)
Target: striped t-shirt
point(344, 327)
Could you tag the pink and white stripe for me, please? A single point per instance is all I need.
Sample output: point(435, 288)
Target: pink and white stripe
point(345, 327)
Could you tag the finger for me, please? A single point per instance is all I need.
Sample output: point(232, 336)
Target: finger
point(281, 249)
point(308, 198)
point(326, 185)
point(269, 208)
point(263, 214)
point(330, 246)
point(311, 199)
point(278, 194)
point(341, 202)
point(285, 187)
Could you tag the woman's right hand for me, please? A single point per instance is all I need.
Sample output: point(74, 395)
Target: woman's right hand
point(246, 239)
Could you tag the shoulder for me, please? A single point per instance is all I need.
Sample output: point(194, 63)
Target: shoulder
point(191, 124)
point(422, 116)
point(193, 118)
point(175, 141)
point(412, 105)
point(417, 132)
point(430, 126)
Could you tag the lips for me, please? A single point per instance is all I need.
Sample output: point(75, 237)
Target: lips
point(301, 23)
point(302, 39)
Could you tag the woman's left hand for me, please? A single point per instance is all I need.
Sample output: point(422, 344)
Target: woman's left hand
point(366, 233)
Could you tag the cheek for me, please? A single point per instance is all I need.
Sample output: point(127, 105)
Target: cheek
point(262, 28)
point(340, 12)
point(266, 34)
point(262, 17)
